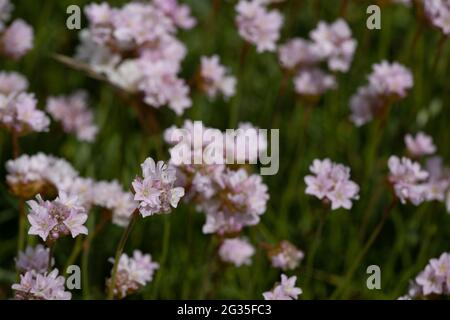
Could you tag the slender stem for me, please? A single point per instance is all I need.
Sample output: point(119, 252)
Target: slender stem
point(437, 58)
point(366, 247)
point(119, 250)
point(51, 250)
point(344, 7)
point(22, 217)
point(165, 251)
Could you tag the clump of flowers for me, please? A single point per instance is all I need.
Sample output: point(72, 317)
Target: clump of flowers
point(17, 38)
point(332, 43)
point(135, 48)
point(285, 256)
point(230, 197)
point(33, 259)
point(420, 145)
point(237, 251)
point(215, 78)
point(43, 174)
point(36, 286)
point(155, 190)
point(18, 111)
point(388, 82)
point(73, 113)
point(54, 219)
point(258, 25)
point(438, 13)
point(133, 273)
point(331, 183)
point(286, 290)
point(433, 281)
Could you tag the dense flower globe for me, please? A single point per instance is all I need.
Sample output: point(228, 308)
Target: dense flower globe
point(236, 251)
point(36, 286)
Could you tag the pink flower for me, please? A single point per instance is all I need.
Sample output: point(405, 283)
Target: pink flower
point(286, 256)
point(18, 113)
point(391, 79)
point(365, 105)
point(52, 219)
point(236, 251)
point(215, 78)
point(33, 259)
point(5, 12)
point(155, 191)
point(335, 43)
point(438, 12)
point(258, 25)
point(407, 178)
point(296, 53)
point(331, 182)
point(313, 82)
point(133, 273)
point(179, 14)
point(17, 39)
point(286, 290)
point(12, 82)
point(73, 113)
point(35, 286)
point(420, 145)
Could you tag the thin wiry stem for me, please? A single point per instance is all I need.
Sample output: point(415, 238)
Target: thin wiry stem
point(119, 250)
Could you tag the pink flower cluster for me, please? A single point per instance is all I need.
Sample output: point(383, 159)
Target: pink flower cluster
point(258, 25)
point(136, 49)
point(388, 83)
point(215, 78)
point(331, 183)
point(73, 113)
point(286, 256)
point(33, 259)
point(17, 38)
point(231, 198)
point(286, 290)
point(237, 251)
point(133, 273)
point(18, 112)
point(53, 219)
point(434, 280)
point(438, 13)
point(155, 191)
point(330, 42)
point(36, 286)
point(420, 145)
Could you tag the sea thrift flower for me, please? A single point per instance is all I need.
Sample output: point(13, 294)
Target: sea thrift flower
point(439, 180)
point(28, 176)
point(407, 177)
point(298, 53)
point(33, 259)
point(155, 191)
point(420, 145)
point(215, 78)
point(286, 290)
point(73, 113)
point(433, 280)
point(438, 13)
point(17, 39)
point(365, 105)
point(334, 42)
point(135, 48)
point(236, 251)
point(18, 113)
point(12, 82)
point(313, 82)
point(53, 219)
point(258, 25)
point(391, 79)
point(285, 256)
point(5, 12)
point(133, 273)
point(35, 286)
point(331, 183)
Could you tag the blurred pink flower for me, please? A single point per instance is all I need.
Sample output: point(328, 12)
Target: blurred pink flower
point(17, 39)
point(236, 251)
point(286, 290)
point(297, 53)
point(215, 78)
point(35, 286)
point(438, 12)
point(257, 25)
point(35, 259)
point(313, 82)
point(391, 79)
point(420, 145)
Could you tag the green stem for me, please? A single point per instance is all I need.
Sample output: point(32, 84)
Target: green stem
point(165, 250)
point(119, 250)
point(51, 251)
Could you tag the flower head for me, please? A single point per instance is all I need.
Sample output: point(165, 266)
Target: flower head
point(17, 39)
point(36, 286)
point(286, 256)
point(391, 79)
point(286, 290)
point(33, 259)
point(215, 78)
point(236, 251)
point(420, 145)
